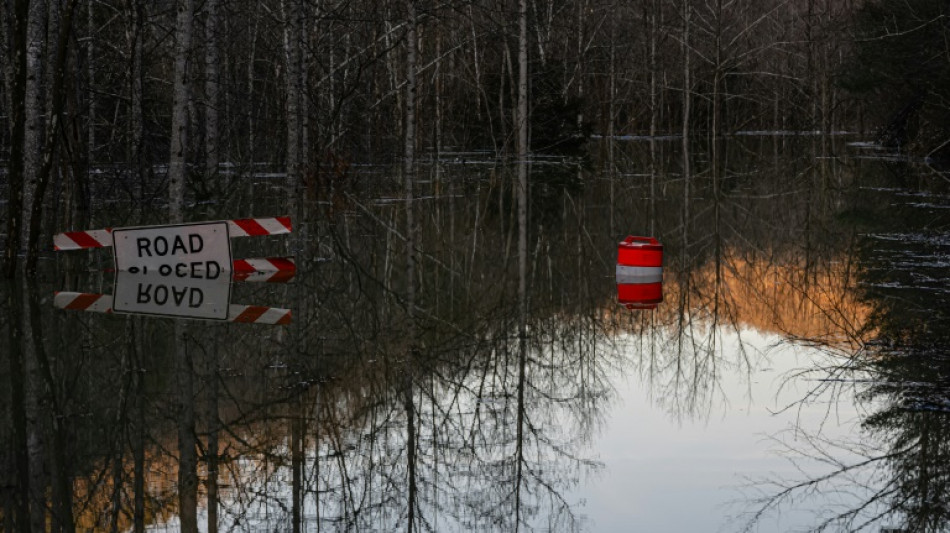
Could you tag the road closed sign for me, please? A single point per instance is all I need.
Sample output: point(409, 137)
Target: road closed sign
point(172, 296)
point(182, 252)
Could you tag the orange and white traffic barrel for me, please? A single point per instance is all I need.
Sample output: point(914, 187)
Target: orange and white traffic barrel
point(639, 273)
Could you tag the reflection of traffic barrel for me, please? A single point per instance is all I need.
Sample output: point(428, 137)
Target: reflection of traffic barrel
point(640, 273)
point(640, 251)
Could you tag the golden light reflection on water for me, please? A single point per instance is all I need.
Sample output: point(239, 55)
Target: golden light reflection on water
point(816, 304)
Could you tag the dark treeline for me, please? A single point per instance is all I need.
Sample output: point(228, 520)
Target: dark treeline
point(137, 89)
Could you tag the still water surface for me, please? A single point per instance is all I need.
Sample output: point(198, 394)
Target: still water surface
point(791, 378)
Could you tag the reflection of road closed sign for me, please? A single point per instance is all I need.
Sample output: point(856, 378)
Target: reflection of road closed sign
point(182, 252)
point(185, 297)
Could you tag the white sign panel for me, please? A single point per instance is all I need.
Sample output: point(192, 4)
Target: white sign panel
point(184, 251)
point(172, 296)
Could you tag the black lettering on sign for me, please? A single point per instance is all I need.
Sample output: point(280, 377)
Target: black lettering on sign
point(161, 246)
point(165, 270)
point(179, 244)
point(179, 295)
point(181, 270)
point(196, 298)
point(212, 265)
point(161, 295)
point(144, 294)
point(143, 244)
point(195, 243)
point(147, 293)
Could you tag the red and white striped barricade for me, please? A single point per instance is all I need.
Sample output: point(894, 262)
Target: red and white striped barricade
point(267, 269)
point(182, 270)
point(103, 303)
point(242, 227)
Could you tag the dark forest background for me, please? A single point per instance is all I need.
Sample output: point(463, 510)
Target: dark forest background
point(182, 91)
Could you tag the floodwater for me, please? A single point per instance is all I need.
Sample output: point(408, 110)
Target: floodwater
point(792, 377)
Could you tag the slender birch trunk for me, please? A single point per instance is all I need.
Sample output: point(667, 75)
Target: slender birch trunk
point(187, 440)
point(251, 60)
point(35, 104)
point(180, 119)
point(291, 12)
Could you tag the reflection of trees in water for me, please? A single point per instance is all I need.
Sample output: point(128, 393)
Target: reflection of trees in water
point(316, 422)
point(312, 423)
point(895, 472)
point(756, 247)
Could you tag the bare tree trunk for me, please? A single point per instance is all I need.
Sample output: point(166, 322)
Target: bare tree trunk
point(56, 103)
point(61, 510)
point(35, 105)
point(297, 432)
point(252, 59)
point(19, 19)
point(582, 8)
point(180, 120)
point(409, 157)
point(654, 110)
point(138, 436)
point(213, 420)
point(5, 41)
point(409, 171)
point(17, 398)
point(187, 439)
point(292, 15)
point(90, 92)
point(135, 38)
point(212, 79)
point(412, 42)
point(437, 144)
point(522, 129)
point(687, 97)
point(717, 102)
point(411, 445)
point(611, 120)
